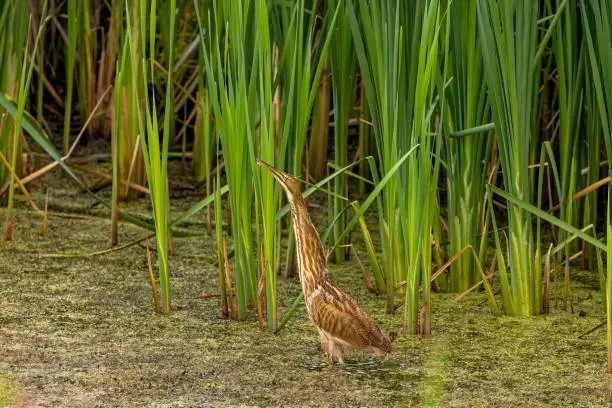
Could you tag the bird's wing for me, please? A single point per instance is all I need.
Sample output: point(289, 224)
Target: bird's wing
point(338, 314)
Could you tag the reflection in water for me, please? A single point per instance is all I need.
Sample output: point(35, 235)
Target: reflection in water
point(390, 374)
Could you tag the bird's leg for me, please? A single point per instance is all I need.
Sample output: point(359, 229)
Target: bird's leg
point(328, 347)
point(338, 353)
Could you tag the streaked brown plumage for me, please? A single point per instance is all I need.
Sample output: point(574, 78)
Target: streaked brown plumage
point(339, 318)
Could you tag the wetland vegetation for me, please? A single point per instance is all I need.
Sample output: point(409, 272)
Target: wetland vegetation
point(454, 155)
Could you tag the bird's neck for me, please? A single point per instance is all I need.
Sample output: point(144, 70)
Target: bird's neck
point(310, 253)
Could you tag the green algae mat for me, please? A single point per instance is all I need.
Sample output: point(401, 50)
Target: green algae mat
point(80, 332)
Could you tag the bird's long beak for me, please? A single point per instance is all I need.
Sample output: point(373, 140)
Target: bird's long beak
point(279, 175)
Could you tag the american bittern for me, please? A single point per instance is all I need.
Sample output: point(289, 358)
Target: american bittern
point(339, 318)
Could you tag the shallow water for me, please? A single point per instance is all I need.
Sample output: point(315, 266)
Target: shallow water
point(80, 332)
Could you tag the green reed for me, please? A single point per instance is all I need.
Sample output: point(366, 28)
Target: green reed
point(344, 85)
point(13, 37)
point(23, 86)
point(467, 156)
point(398, 51)
point(74, 11)
point(569, 57)
point(155, 153)
point(304, 51)
point(509, 39)
point(597, 18)
point(231, 74)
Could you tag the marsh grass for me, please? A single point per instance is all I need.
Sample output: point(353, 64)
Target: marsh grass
point(467, 157)
point(230, 73)
point(14, 27)
point(509, 38)
point(155, 153)
point(23, 85)
point(471, 115)
point(596, 18)
point(127, 109)
point(398, 51)
point(343, 60)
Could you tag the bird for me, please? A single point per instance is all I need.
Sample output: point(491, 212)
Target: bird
point(341, 321)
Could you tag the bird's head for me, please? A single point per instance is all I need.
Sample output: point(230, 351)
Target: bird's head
point(289, 183)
